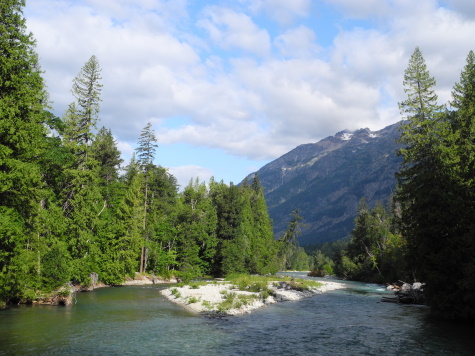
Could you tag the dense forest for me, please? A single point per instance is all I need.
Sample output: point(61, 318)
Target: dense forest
point(69, 208)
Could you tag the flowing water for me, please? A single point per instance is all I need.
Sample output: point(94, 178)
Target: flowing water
point(139, 321)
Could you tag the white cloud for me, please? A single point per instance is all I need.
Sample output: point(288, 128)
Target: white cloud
point(244, 86)
point(299, 42)
point(283, 11)
point(140, 64)
point(183, 174)
point(230, 30)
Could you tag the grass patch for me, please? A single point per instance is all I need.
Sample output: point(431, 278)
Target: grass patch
point(207, 305)
point(256, 284)
point(193, 299)
point(175, 292)
point(297, 284)
point(310, 284)
point(232, 300)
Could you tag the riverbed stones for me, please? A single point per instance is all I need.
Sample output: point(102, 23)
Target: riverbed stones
point(208, 299)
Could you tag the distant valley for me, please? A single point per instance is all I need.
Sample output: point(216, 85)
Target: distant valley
point(327, 179)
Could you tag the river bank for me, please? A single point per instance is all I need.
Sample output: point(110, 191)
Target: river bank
point(225, 298)
point(66, 295)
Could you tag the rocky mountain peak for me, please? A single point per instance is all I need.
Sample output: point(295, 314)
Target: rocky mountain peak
point(325, 181)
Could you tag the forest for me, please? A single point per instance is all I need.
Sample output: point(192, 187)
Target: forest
point(69, 207)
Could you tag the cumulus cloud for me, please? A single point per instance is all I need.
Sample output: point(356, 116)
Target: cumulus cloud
point(246, 85)
point(183, 174)
point(297, 43)
point(283, 11)
point(230, 29)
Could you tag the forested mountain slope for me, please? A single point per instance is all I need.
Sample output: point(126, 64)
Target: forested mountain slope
point(326, 180)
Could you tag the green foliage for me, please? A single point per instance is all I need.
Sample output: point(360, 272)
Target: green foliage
point(244, 231)
point(436, 190)
point(322, 265)
point(375, 252)
point(65, 212)
point(26, 233)
point(232, 300)
point(175, 292)
point(290, 255)
point(192, 300)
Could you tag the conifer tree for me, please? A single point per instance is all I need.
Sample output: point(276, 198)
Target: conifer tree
point(107, 155)
point(451, 287)
point(81, 117)
point(436, 192)
point(263, 246)
point(83, 202)
point(197, 229)
point(422, 176)
point(146, 154)
point(288, 242)
point(23, 104)
point(463, 120)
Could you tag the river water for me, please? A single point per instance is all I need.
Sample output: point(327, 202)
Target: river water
point(139, 321)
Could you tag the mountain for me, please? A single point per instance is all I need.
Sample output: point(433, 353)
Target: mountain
point(327, 179)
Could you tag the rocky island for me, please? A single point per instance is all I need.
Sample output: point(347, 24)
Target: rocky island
point(243, 295)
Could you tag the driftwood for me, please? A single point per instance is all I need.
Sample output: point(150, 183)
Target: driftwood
point(406, 293)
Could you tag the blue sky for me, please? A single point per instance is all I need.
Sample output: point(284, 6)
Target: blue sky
point(231, 85)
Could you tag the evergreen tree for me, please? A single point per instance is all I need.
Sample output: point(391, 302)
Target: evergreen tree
point(436, 194)
point(161, 213)
point(107, 154)
point(263, 246)
point(463, 121)
point(146, 153)
point(288, 249)
point(124, 248)
point(450, 284)
point(422, 177)
point(374, 253)
point(23, 104)
point(83, 202)
point(81, 117)
point(231, 252)
point(197, 230)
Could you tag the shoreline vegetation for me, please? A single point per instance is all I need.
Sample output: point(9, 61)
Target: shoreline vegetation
point(242, 294)
point(66, 295)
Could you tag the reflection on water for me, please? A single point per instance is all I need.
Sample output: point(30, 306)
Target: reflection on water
point(137, 320)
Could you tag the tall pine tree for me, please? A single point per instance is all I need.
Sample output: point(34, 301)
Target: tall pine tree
point(146, 154)
point(422, 176)
point(23, 104)
point(83, 202)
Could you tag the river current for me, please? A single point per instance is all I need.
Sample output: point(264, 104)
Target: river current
point(139, 321)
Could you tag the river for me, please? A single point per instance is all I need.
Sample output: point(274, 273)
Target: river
point(139, 321)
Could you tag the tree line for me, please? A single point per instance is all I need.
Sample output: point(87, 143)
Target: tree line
point(68, 206)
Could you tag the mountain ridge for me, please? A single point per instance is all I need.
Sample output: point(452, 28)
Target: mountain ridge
point(325, 180)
